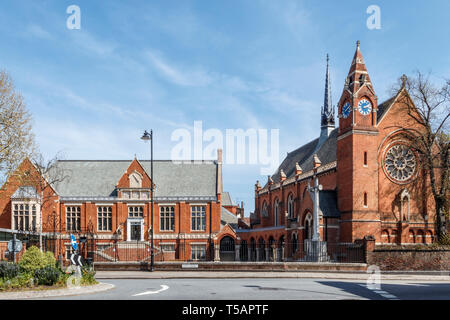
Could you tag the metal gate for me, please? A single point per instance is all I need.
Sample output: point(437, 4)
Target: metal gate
point(227, 249)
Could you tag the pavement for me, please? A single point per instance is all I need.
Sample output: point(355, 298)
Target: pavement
point(42, 294)
point(408, 276)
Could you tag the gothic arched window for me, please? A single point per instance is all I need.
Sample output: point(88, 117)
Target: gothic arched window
point(276, 212)
point(290, 206)
point(308, 226)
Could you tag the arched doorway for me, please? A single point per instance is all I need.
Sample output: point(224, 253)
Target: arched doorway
point(227, 249)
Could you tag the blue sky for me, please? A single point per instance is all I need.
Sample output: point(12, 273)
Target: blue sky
point(138, 65)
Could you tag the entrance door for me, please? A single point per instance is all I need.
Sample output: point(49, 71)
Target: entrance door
point(135, 229)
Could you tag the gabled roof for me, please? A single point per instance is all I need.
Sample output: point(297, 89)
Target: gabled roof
point(226, 199)
point(384, 107)
point(226, 217)
point(304, 156)
point(98, 178)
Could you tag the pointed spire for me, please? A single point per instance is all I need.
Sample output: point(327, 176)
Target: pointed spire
point(328, 108)
point(257, 186)
point(269, 180)
point(357, 75)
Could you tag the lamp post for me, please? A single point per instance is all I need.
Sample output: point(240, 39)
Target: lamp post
point(146, 137)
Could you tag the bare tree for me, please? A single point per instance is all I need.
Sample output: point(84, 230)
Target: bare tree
point(428, 108)
point(46, 176)
point(16, 137)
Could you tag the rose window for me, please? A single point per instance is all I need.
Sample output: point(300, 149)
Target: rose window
point(400, 162)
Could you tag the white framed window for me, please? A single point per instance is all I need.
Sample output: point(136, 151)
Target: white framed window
point(24, 216)
point(136, 212)
point(198, 252)
point(104, 218)
point(167, 247)
point(73, 218)
point(167, 218)
point(198, 218)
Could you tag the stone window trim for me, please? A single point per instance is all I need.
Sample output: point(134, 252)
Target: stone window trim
point(73, 218)
point(167, 218)
point(198, 218)
point(26, 213)
point(104, 216)
point(409, 167)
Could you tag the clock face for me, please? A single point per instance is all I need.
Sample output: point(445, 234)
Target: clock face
point(346, 109)
point(364, 106)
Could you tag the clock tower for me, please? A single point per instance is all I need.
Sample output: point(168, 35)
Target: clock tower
point(357, 167)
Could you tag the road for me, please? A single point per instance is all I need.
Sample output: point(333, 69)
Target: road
point(266, 289)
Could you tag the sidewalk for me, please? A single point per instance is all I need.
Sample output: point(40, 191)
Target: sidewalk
point(433, 276)
point(37, 294)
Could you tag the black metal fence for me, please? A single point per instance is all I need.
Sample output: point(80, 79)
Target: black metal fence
point(308, 251)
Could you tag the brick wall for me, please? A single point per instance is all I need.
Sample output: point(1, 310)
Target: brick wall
point(401, 258)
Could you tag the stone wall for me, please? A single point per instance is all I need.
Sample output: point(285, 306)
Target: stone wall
point(423, 258)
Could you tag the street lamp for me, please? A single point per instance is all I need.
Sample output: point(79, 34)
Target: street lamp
point(146, 137)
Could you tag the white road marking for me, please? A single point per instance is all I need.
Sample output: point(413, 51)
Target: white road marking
point(163, 288)
point(382, 293)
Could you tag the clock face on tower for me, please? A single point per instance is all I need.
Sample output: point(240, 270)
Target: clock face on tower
point(346, 110)
point(364, 107)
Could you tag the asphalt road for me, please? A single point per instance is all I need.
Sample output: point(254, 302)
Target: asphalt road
point(265, 289)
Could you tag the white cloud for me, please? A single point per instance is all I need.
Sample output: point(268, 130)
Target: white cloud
point(37, 31)
point(180, 76)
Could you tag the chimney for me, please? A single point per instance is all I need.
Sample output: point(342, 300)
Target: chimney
point(219, 155)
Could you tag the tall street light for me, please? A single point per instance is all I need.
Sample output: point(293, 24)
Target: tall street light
point(146, 137)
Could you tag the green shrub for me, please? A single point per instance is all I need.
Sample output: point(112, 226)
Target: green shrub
point(88, 276)
point(33, 259)
point(49, 259)
point(8, 270)
point(21, 281)
point(47, 276)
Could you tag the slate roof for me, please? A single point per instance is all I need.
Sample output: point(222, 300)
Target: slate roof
point(98, 178)
point(226, 199)
point(328, 204)
point(304, 156)
point(383, 107)
point(226, 217)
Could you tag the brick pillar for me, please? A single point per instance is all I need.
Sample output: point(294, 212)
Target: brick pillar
point(369, 246)
point(237, 251)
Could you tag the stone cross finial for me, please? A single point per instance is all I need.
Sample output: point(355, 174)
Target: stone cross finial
point(404, 78)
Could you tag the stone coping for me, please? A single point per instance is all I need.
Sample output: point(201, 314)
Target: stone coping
point(40, 294)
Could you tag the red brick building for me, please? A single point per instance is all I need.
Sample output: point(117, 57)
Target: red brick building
point(373, 184)
point(106, 205)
